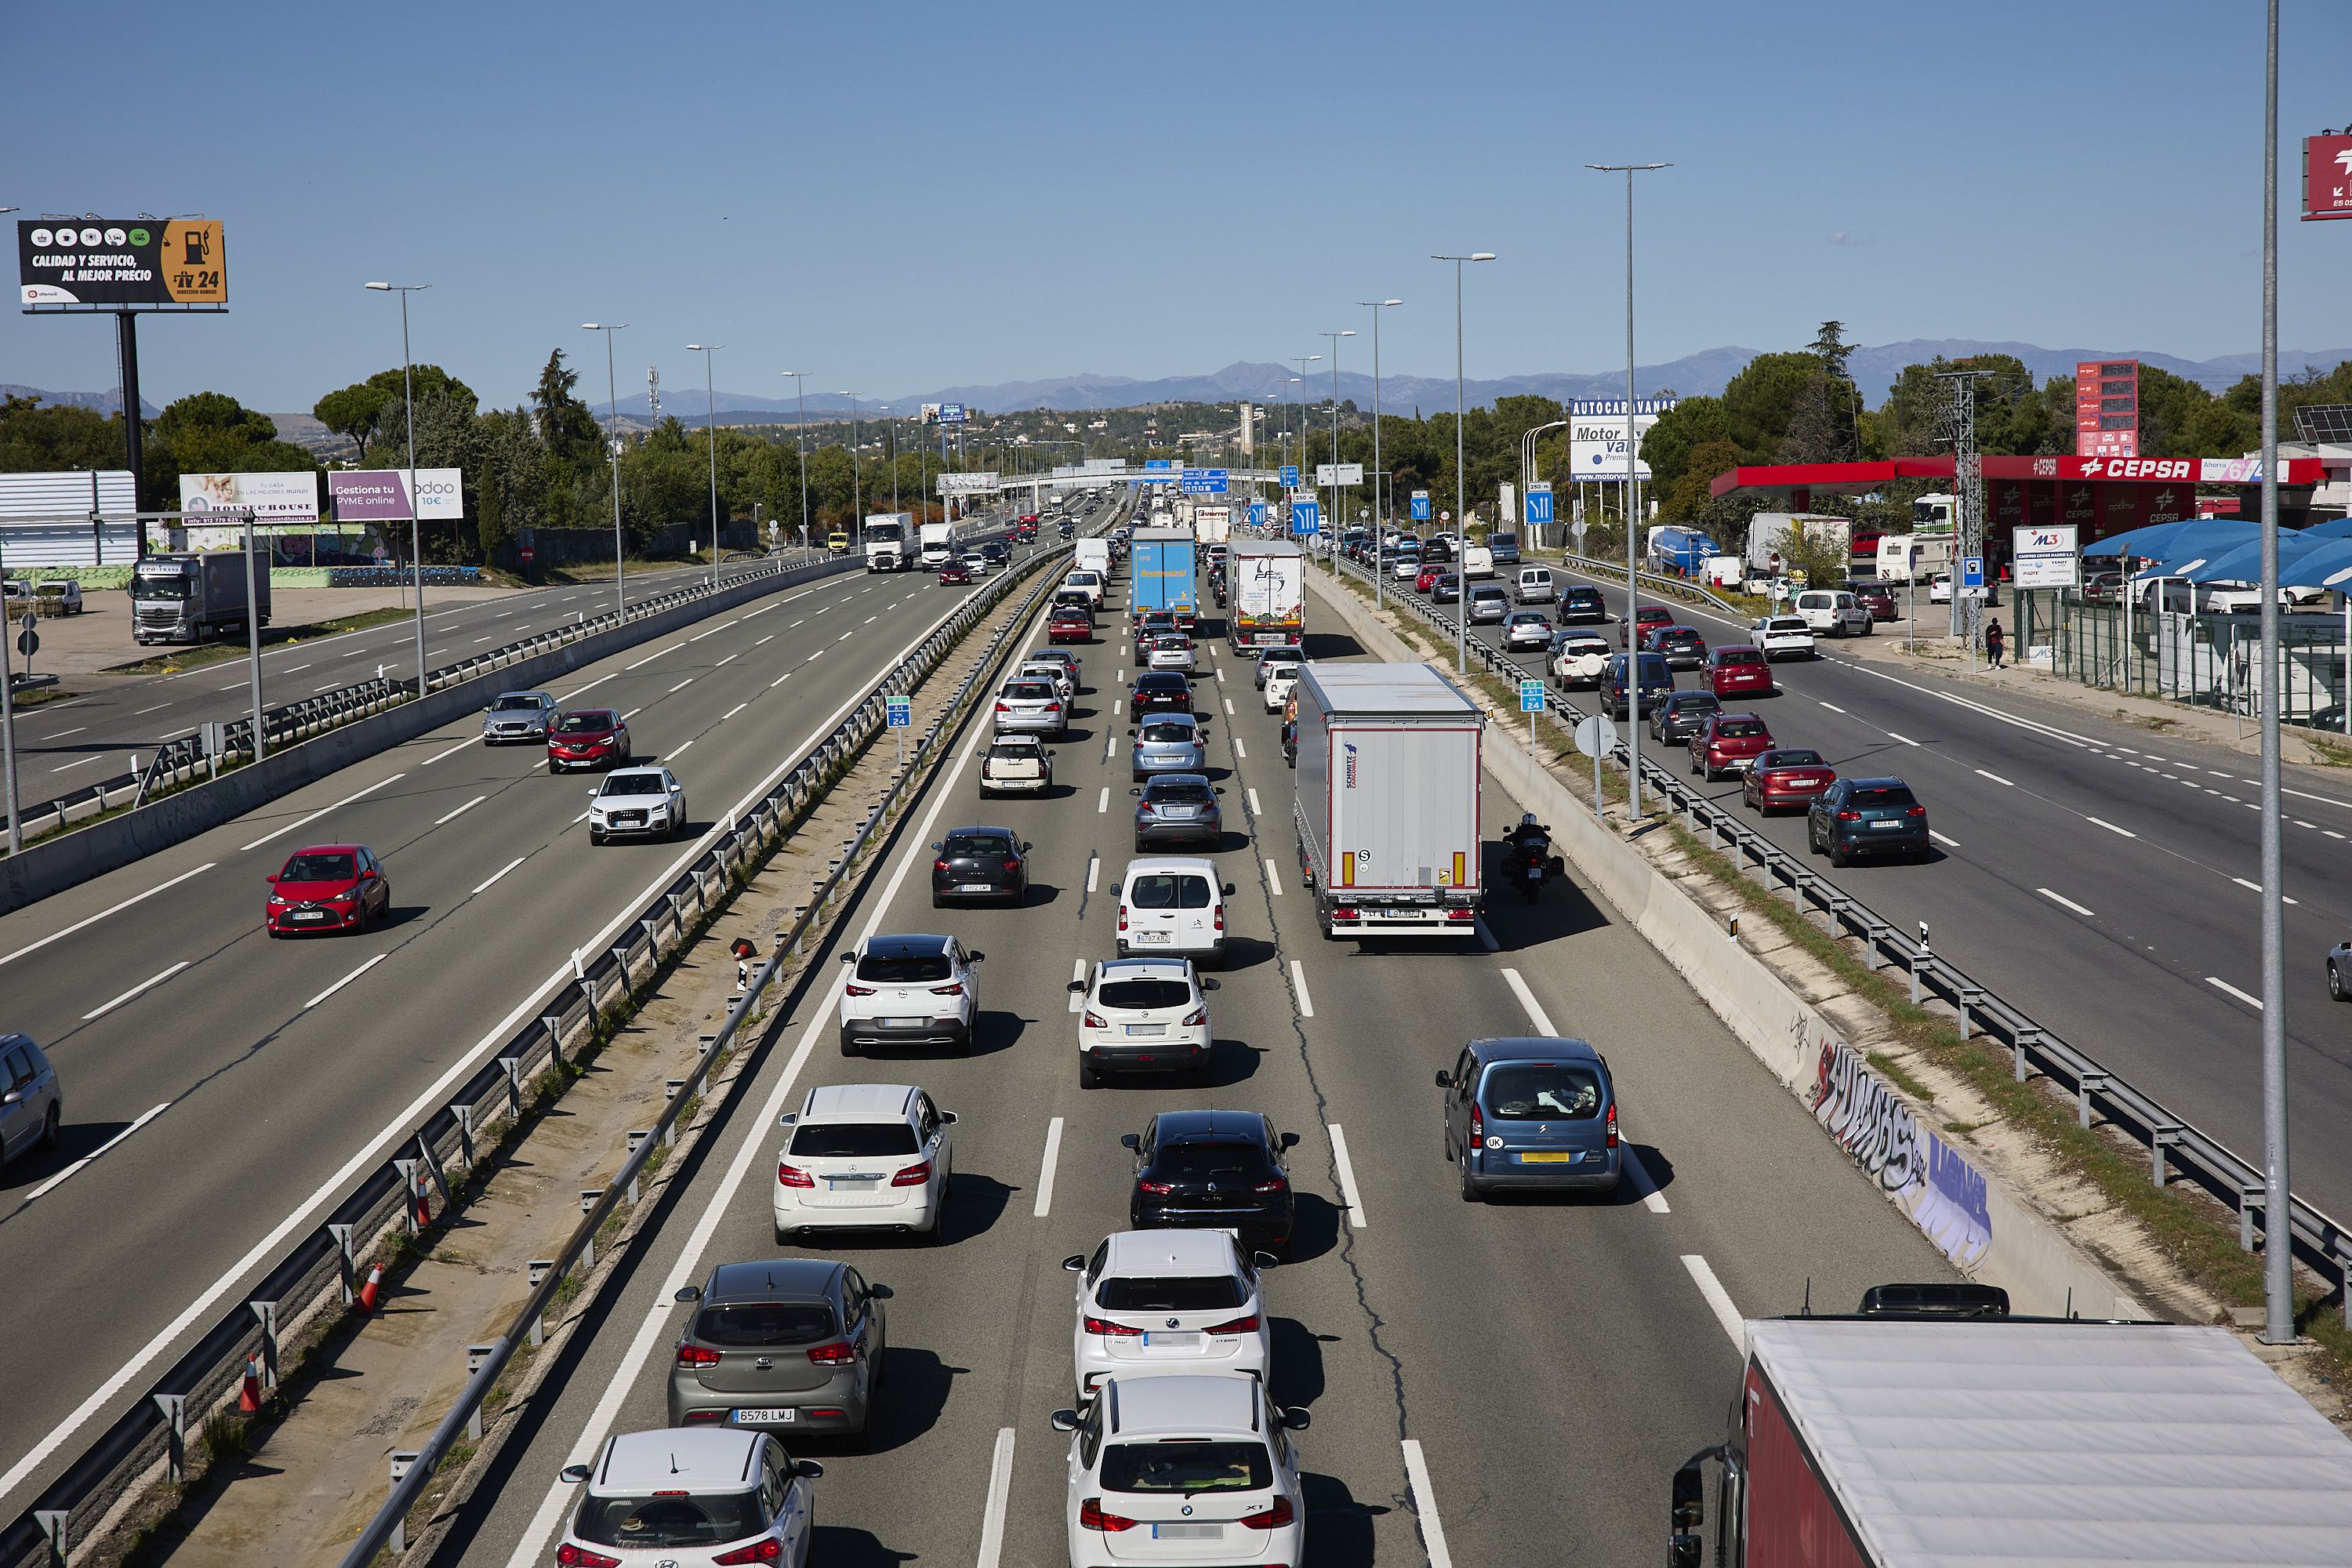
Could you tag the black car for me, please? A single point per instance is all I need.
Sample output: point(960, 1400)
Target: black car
point(1446, 590)
point(1857, 817)
point(1219, 1170)
point(979, 863)
point(992, 550)
point(1682, 715)
point(1581, 603)
point(1160, 692)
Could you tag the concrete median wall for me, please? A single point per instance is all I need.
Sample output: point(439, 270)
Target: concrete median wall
point(56, 864)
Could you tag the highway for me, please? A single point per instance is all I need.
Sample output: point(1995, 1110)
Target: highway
point(1508, 1381)
point(2096, 875)
point(235, 1087)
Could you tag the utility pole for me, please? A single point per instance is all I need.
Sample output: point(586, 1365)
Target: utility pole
point(1968, 499)
point(712, 427)
point(2278, 1196)
point(612, 445)
point(1380, 476)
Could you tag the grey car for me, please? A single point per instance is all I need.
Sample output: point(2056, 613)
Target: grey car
point(1531, 1111)
point(786, 1343)
point(1525, 629)
point(1682, 715)
point(1177, 808)
point(518, 716)
point(1489, 602)
point(1031, 706)
point(1168, 743)
point(30, 1107)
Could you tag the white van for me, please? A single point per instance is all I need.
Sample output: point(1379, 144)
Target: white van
point(1534, 586)
point(1172, 904)
point(1834, 612)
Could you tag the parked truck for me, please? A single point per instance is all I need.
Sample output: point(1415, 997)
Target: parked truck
point(1266, 594)
point(1684, 550)
point(1776, 540)
point(1387, 810)
point(1161, 566)
point(197, 595)
point(939, 544)
point(1930, 1426)
point(886, 541)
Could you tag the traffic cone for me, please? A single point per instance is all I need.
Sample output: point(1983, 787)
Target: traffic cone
point(368, 1290)
point(424, 1209)
point(248, 1398)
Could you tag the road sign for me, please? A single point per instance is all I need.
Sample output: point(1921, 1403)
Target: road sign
point(1596, 736)
point(29, 641)
point(1972, 571)
point(1532, 696)
point(1338, 473)
point(1203, 482)
point(1258, 514)
point(1538, 503)
point(899, 712)
point(1421, 506)
point(1290, 475)
point(1306, 517)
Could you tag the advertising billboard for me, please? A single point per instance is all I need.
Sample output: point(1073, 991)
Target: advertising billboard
point(983, 483)
point(380, 495)
point(120, 264)
point(943, 414)
point(2045, 558)
point(1597, 445)
point(273, 499)
point(2106, 408)
point(2326, 177)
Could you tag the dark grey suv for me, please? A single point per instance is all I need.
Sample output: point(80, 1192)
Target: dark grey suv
point(791, 1344)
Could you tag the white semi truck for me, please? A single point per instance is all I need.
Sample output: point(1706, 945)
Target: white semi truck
point(886, 541)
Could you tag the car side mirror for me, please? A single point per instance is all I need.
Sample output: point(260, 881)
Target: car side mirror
point(273, 877)
point(1065, 1420)
point(1078, 987)
point(592, 794)
point(937, 846)
point(1208, 985)
point(1217, 789)
point(1444, 1080)
point(1131, 730)
point(1687, 1516)
point(949, 1118)
point(881, 1292)
point(1026, 847)
point(1264, 1260)
point(1296, 1417)
point(788, 1119)
point(1135, 792)
point(1131, 1141)
point(687, 1293)
point(808, 1469)
point(848, 958)
point(1290, 1140)
point(975, 958)
point(575, 1474)
point(1228, 890)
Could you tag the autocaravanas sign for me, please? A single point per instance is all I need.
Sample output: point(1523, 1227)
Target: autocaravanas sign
point(120, 264)
point(380, 495)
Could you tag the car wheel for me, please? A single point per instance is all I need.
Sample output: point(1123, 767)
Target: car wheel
point(1470, 1193)
point(2334, 983)
point(1445, 1138)
point(1813, 837)
point(50, 1129)
point(1090, 1075)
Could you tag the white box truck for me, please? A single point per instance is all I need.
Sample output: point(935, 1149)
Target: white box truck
point(1212, 522)
point(1093, 555)
point(1267, 593)
point(886, 541)
point(1387, 811)
point(939, 543)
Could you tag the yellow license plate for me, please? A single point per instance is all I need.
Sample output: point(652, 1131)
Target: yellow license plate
point(1548, 1157)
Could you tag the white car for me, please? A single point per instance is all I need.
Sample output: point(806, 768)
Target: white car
point(1279, 686)
point(692, 1495)
point(975, 562)
point(909, 990)
point(1202, 1466)
point(1833, 611)
point(1940, 588)
point(864, 1156)
point(1142, 1015)
point(1016, 764)
point(1171, 651)
point(1168, 1300)
point(1785, 636)
point(647, 801)
point(1273, 658)
point(1053, 670)
point(1088, 582)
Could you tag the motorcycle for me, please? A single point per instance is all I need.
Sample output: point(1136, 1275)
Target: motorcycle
point(1531, 864)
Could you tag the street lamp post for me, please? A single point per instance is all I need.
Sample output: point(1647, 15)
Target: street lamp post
point(857, 476)
point(1380, 506)
point(1461, 514)
point(800, 445)
point(1329, 537)
point(1632, 504)
point(710, 427)
point(1300, 380)
point(2278, 1213)
point(416, 537)
point(612, 445)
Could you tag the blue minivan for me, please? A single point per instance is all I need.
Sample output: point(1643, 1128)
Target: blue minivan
point(1657, 685)
point(1533, 1112)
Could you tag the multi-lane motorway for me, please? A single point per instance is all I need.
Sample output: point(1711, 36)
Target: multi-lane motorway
point(1515, 1379)
point(223, 1090)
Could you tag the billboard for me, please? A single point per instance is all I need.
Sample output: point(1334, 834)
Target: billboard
point(985, 482)
point(2106, 408)
point(2327, 176)
point(380, 495)
point(2045, 558)
point(120, 264)
point(943, 414)
point(273, 499)
point(1330, 474)
point(1597, 443)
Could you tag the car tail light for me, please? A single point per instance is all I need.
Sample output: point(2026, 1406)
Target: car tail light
point(1914, 811)
point(1122, 916)
point(1096, 1021)
point(1156, 1189)
point(939, 865)
point(1000, 708)
point(793, 1176)
point(1105, 1327)
point(1273, 1518)
point(1013, 865)
point(697, 1355)
point(1052, 707)
point(1344, 912)
point(1146, 809)
point(1217, 920)
point(1275, 1185)
point(1092, 1516)
point(768, 1551)
point(1477, 1124)
point(841, 1352)
point(1612, 1139)
point(955, 989)
point(704, 1417)
point(1238, 1326)
point(1848, 817)
point(859, 990)
point(1197, 1017)
point(914, 1175)
point(569, 1556)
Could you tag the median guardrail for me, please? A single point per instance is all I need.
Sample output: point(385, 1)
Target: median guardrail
point(2175, 1143)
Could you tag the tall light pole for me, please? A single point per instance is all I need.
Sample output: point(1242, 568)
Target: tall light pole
point(1632, 504)
point(415, 536)
point(2278, 1215)
point(1300, 380)
point(857, 477)
point(612, 445)
point(1380, 506)
point(1461, 514)
point(1330, 536)
point(799, 444)
point(710, 427)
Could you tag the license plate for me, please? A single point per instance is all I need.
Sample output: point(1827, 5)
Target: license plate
point(765, 1418)
point(1167, 1342)
point(310, 915)
point(1883, 827)
point(1147, 1029)
point(902, 1023)
point(1188, 1533)
point(974, 887)
point(852, 1183)
point(1548, 1157)
point(1534, 873)
point(1154, 938)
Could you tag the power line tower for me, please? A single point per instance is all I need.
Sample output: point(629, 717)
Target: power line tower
point(1959, 422)
point(653, 393)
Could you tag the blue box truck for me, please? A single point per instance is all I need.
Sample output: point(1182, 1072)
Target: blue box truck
point(1160, 571)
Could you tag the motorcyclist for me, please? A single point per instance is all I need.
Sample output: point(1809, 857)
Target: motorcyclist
point(1528, 835)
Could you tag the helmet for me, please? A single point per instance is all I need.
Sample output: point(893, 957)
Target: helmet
point(1527, 819)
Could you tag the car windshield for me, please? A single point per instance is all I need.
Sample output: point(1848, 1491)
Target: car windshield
point(319, 868)
point(633, 784)
point(1739, 656)
point(764, 1324)
point(904, 969)
point(515, 703)
point(1168, 890)
point(1531, 1092)
point(1740, 729)
point(1186, 1466)
point(1793, 758)
point(174, 586)
point(584, 724)
point(961, 844)
point(1882, 796)
point(853, 1140)
point(1143, 995)
point(1185, 793)
point(668, 1519)
point(1207, 1161)
point(1168, 731)
point(1219, 1293)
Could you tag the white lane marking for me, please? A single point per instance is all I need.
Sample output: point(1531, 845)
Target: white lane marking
point(1274, 879)
point(1348, 1193)
point(2253, 887)
point(1110, 745)
point(1229, 707)
point(50, 1185)
point(1221, 674)
point(1000, 1491)
point(871, 619)
point(764, 641)
point(1045, 1168)
point(2065, 902)
point(346, 979)
point(234, 685)
point(1120, 676)
point(1644, 1184)
point(2216, 772)
point(443, 821)
point(1536, 1014)
point(727, 660)
point(1424, 1505)
point(652, 656)
point(713, 631)
point(1117, 706)
point(814, 657)
point(1831, 705)
point(2219, 984)
point(143, 987)
point(144, 712)
point(322, 811)
point(797, 625)
point(847, 635)
point(2301, 822)
point(508, 867)
point(679, 687)
point(1239, 750)
point(631, 714)
point(1104, 803)
point(677, 752)
point(2101, 822)
point(1717, 1297)
point(579, 819)
point(450, 752)
point(113, 909)
point(1905, 739)
point(1078, 973)
point(779, 680)
point(1298, 983)
point(328, 686)
point(582, 690)
point(1094, 870)
point(732, 711)
point(72, 765)
point(2331, 832)
point(1946, 843)
point(1256, 810)
point(63, 734)
point(1996, 778)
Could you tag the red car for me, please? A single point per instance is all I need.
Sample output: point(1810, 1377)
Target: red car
point(1738, 671)
point(1070, 626)
point(1430, 573)
point(1727, 741)
point(328, 887)
point(586, 738)
point(1875, 597)
point(955, 573)
point(1786, 776)
point(1644, 619)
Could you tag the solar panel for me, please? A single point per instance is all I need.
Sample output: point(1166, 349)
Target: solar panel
point(2325, 422)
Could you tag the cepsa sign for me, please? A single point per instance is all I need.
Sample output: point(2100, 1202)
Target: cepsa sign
point(2326, 177)
point(112, 264)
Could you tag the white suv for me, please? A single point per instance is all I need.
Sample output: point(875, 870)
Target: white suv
point(911, 991)
point(864, 1156)
point(1168, 1300)
point(692, 1495)
point(647, 801)
point(1835, 611)
point(1203, 1466)
point(1142, 1015)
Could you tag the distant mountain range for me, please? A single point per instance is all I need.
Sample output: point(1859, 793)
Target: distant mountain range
point(108, 402)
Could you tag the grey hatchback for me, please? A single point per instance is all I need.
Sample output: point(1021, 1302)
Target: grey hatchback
point(515, 715)
point(1682, 715)
point(1531, 1111)
point(30, 1107)
point(1177, 808)
point(790, 1342)
point(1168, 743)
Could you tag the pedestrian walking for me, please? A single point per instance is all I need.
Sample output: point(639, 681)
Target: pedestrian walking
point(744, 953)
point(1992, 638)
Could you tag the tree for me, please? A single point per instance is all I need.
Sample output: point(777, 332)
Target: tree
point(364, 408)
point(1758, 402)
point(352, 413)
point(566, 427)
point(1672, 445)
point(212, 433)
point(35, 438)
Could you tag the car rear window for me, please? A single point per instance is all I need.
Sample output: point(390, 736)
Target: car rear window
point(706, 1519)
point(1533, 1091)
point(1183, 794)
point(1186, 1468)
point(584, 724)
point(1013, 752)
point(957, 844)
point(1167, 731)
point(1740, 729)
point(1162, 681)
point(764, 1324)
point(1030, 690)
point(1168, 890)
point(1792, 757)
point(1218, 1293)
point(1210, 1161)
point(1144, 995)
point(1739, 656)
point(1886, 795)
point(894, 969)
point(1786, 623)
point(1693, 702)
point(319, 868)
point(853, 1140)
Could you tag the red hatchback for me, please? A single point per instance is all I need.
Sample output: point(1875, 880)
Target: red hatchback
point(1738, 671)
point(955, 573)
point(1428, 578)
point(586, 738)
point(1786, 776)
point(1727, 741)
point(1644, 619)
point(328, 887)
point(1070, 626)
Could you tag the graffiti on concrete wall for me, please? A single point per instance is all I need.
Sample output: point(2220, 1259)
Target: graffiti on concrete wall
point(1925, 1176)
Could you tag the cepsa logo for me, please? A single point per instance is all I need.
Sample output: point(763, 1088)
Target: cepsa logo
point(2139, 469)
point(43, 238)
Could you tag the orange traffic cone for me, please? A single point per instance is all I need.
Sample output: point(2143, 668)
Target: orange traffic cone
point(423, 1211)
point(248, 1398)
point(368, 1290)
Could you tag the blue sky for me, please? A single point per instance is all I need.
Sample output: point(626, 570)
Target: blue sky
point(928, 195)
